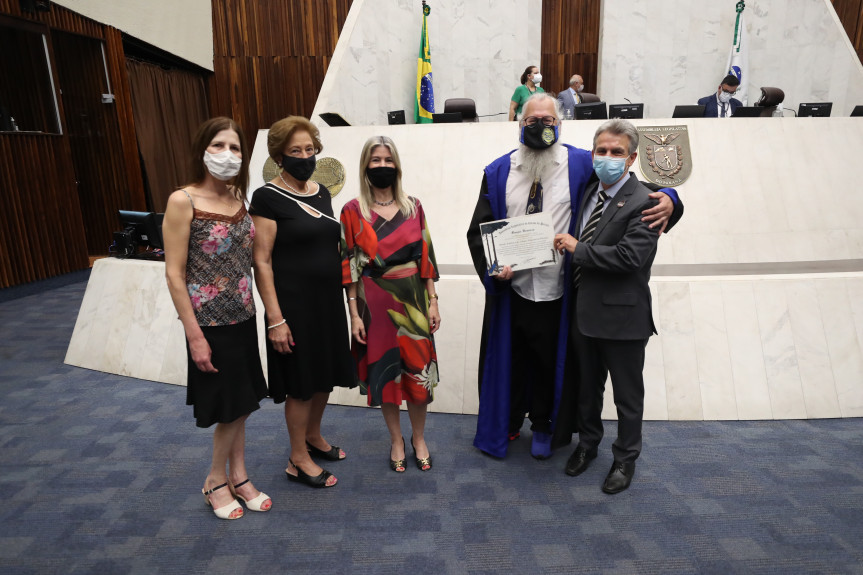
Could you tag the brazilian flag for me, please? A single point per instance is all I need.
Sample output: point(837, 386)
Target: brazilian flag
point(425, 94)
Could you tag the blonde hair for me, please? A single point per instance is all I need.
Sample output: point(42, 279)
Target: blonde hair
point(282, 131)
point(405, 204)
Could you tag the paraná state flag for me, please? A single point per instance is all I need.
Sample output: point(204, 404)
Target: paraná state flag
point(738, 59)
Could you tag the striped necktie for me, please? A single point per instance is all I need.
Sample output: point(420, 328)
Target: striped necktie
point(589, 229)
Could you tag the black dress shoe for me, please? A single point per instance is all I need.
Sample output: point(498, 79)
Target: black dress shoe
point(579, 461)
point(619, 477)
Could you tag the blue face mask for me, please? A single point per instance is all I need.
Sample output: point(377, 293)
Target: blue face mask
point(609, 169)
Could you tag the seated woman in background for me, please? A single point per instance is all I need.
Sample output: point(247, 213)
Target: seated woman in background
point(298, 275)
point(389, 267)
point(208, 240)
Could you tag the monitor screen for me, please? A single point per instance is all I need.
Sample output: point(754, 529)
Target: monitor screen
point(627, 111)
point(333, 119)
point(857, 111)
point(591, 111)
point(447, 118)
point(688, 111)
point(820, 110)
point(396, 117)
point(140, 230)
point(748, 112)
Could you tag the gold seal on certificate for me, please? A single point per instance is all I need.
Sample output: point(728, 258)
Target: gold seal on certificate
point(521, 243)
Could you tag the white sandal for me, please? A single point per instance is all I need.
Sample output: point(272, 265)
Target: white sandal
point(253, 504)
point(225, 511)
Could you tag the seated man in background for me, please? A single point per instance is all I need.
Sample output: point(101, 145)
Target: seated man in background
point(722, 104)
point(571, 96)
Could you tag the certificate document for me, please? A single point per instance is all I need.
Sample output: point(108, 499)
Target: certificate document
point(521, 243)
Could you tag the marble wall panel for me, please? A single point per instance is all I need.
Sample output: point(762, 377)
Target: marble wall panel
point(813, 355)
point(751, 392)
point(780, 357)
point(449, 394)
point(478, 50)
point(474, 313)
point(843, 341)
point(655, 393)
point(745, 201)
point(674, 309)
point(712, 353)
point(771, 362)
point(671, 52)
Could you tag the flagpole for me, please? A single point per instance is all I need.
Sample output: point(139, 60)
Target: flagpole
point(738, 58)
point(424, 103)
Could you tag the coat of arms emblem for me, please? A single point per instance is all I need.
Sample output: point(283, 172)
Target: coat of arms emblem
point(664, 154)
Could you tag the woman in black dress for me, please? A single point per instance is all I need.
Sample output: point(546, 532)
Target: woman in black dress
point(208, 259)
point(298, 272)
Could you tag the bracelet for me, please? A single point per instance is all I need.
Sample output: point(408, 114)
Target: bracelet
point(275, 325)
point(352, 299)
point(434, 296)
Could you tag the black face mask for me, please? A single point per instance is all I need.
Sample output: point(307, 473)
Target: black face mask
point(382, 178)
point(539, 136)
point(300, 168)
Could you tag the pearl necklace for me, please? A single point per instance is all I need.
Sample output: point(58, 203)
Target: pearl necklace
point(389, 203)
point(296, 192)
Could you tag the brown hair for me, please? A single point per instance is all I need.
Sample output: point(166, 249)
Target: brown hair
point(527, 71)
point(282, 131)
point(205, 134)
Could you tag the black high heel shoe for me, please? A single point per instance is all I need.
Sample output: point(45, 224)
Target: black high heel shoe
point(334, 453)
point(423, 463)
point(398, 465)
point(319, 480)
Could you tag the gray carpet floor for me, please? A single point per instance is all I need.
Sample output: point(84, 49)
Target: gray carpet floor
point(102, 474)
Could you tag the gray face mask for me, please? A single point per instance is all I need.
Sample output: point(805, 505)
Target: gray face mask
point(724, 97)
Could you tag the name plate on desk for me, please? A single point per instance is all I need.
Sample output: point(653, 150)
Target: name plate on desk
point(521, 243)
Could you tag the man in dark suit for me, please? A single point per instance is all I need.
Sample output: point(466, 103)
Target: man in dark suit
point(722, 104)
point(612, 317)
point(571, 96)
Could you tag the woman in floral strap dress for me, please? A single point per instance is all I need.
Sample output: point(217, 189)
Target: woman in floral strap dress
point(208, 259)
point(389, 267)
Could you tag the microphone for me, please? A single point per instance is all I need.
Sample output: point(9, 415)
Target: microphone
point(627, 99)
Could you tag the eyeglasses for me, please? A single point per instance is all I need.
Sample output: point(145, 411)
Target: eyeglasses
point(546, 120)
point(731, 93)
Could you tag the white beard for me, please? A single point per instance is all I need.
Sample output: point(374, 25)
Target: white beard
point(534, 162)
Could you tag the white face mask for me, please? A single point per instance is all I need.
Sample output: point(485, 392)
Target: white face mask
point(224, 165)
point(537, 78)
point(724, 97)
point(580, 88)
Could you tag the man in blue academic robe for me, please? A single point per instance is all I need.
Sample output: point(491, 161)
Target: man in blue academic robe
point(526, 319)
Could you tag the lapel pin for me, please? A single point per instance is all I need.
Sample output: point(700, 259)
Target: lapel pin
point(620, 203)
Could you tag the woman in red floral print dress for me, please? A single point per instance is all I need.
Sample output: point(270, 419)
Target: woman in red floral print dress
point(389, 267)
point(208, 264)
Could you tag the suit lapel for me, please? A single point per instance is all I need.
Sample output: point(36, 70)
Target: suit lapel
point(621, 197)
point(587, 195)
